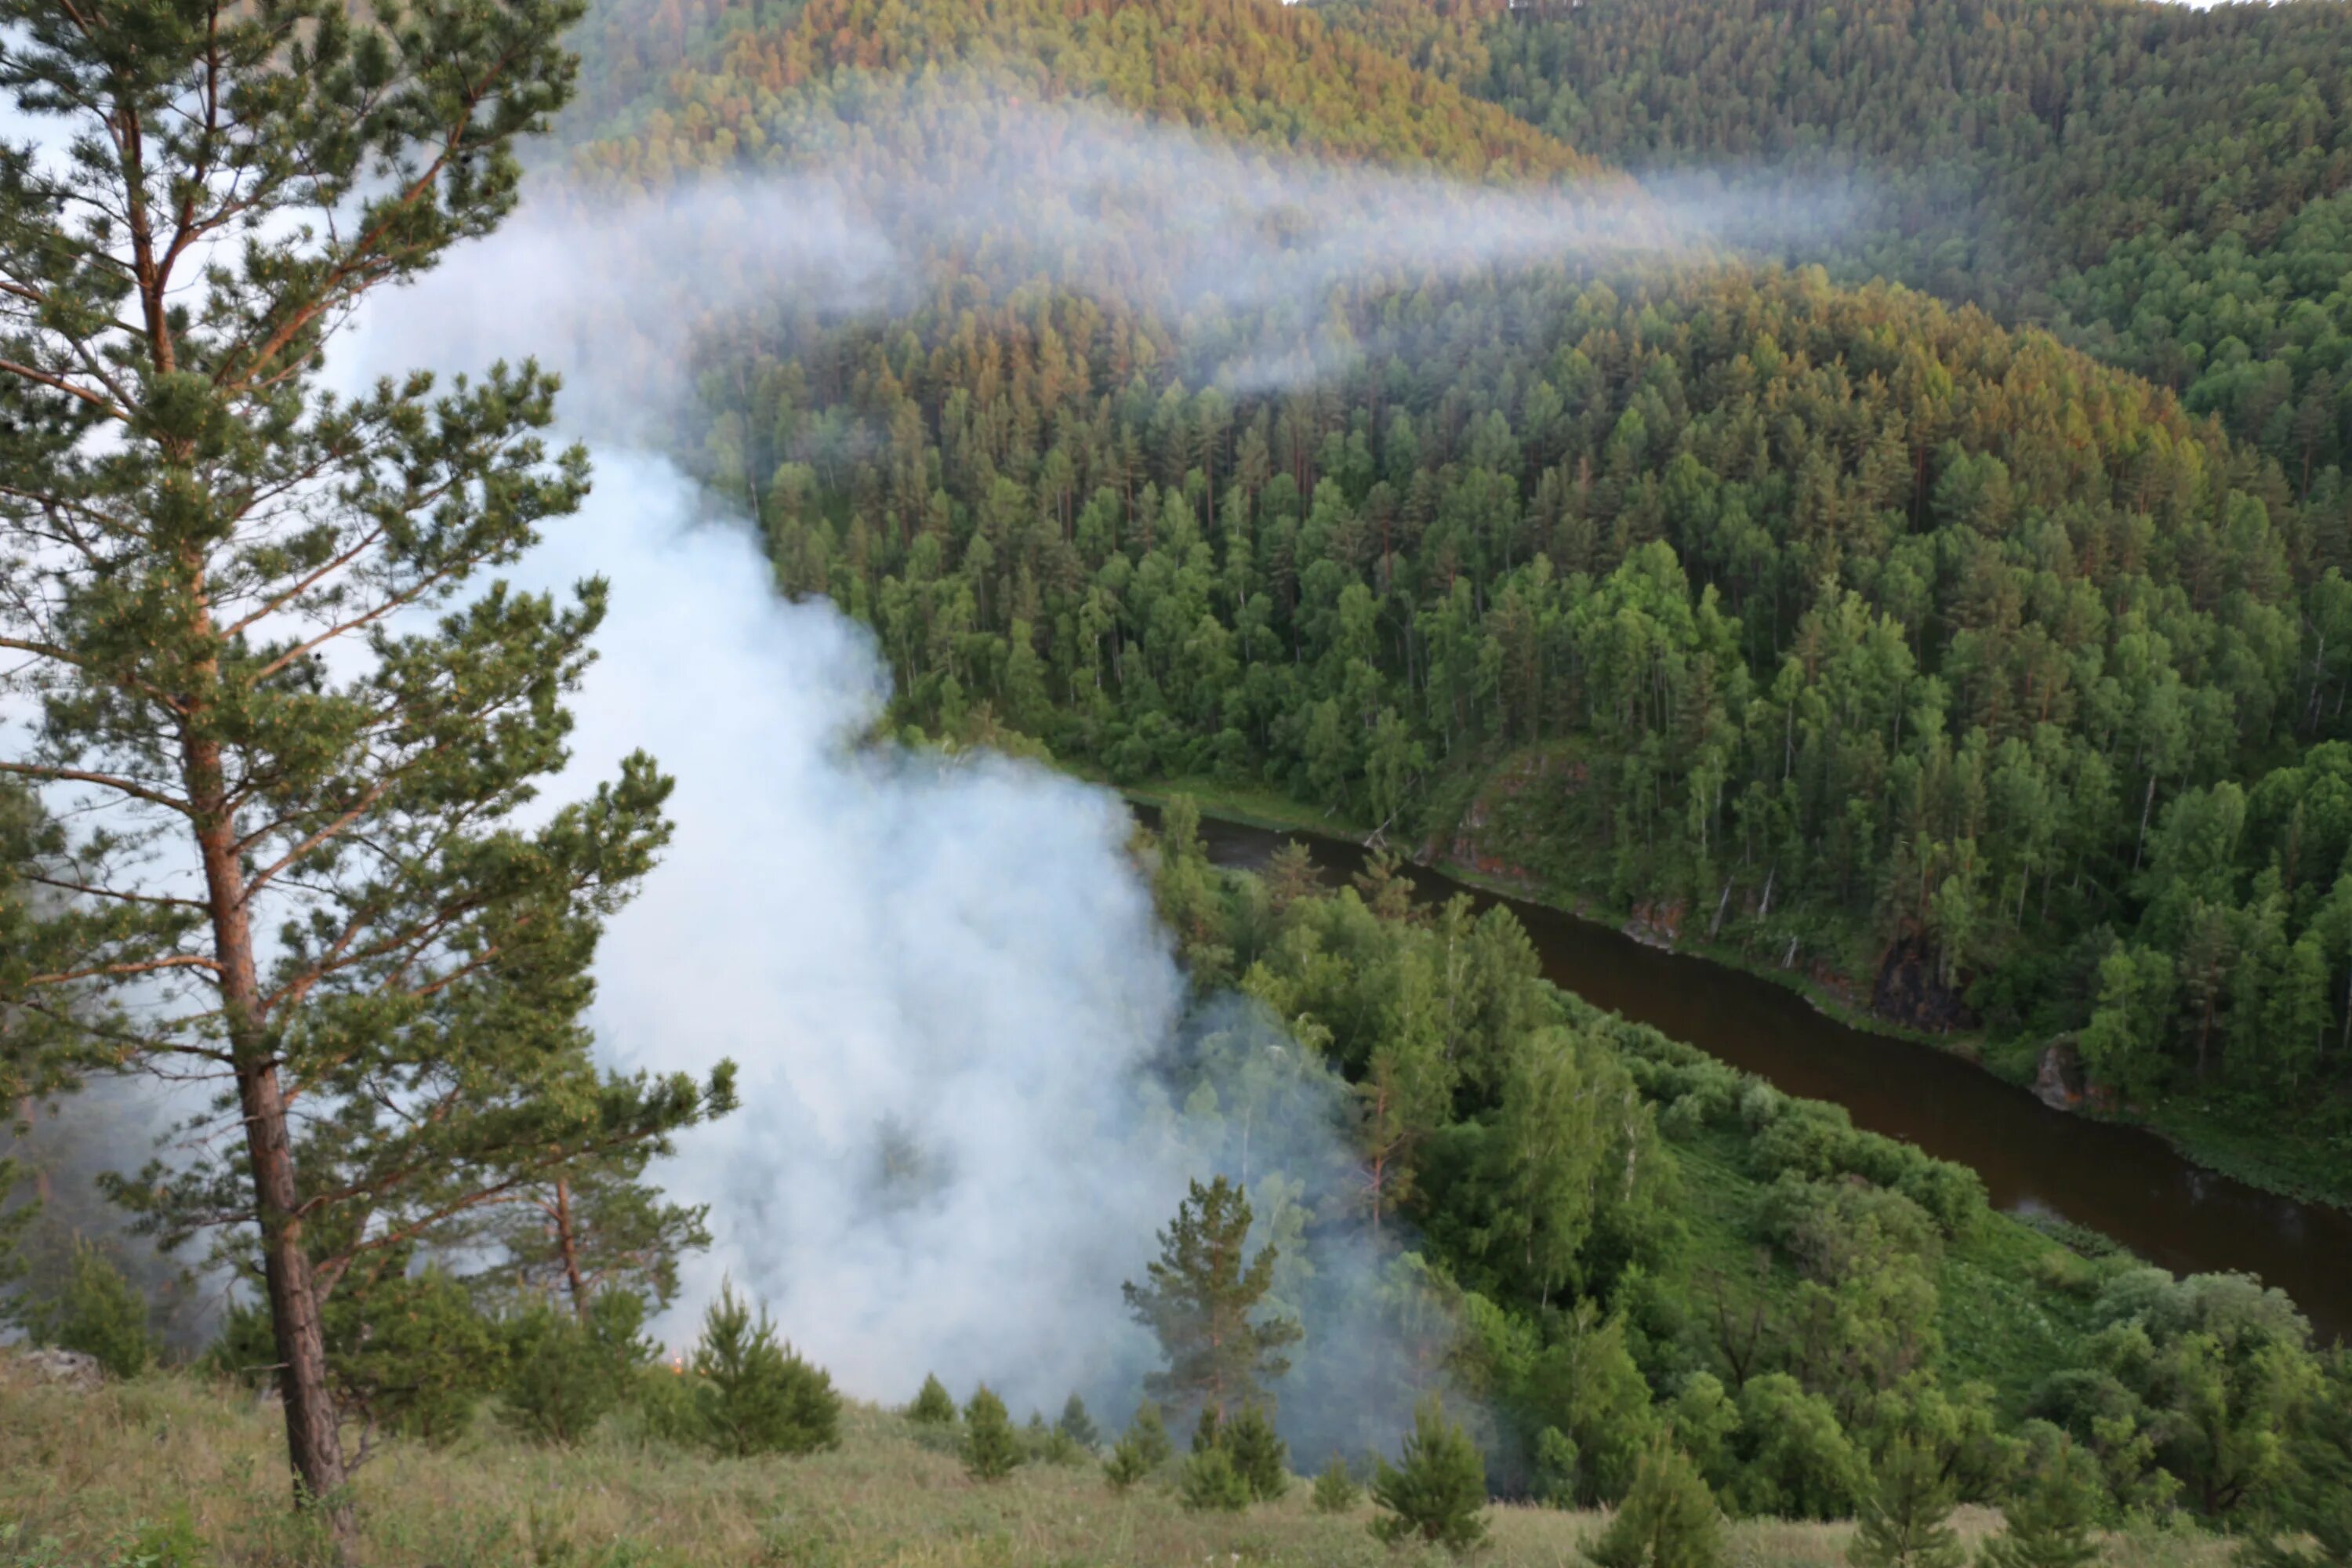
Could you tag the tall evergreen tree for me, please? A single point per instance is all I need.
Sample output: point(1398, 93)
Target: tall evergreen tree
point(250, 616)
point(1200, 1298)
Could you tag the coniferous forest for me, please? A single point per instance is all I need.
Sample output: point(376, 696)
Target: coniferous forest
point(1858, 493)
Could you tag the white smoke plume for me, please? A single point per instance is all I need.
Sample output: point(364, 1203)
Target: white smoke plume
point(943, 980)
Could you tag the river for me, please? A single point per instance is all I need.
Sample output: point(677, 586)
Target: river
point(2124, 1181)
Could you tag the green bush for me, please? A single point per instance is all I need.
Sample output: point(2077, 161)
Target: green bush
point(1078, 1426)
point(1668, 1520)
point(411, 1353)
point(563, 1374)
point(991, 1450)
point(754, 1395)
point(98, 1312)
point(1259, 1455)
point(1210, 1482)
point(1335, 1491)
point(1439, 1490)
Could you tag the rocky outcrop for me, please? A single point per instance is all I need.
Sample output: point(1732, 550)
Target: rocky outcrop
point(1910, 991)
point(69, 1369)
point(2059, 1082)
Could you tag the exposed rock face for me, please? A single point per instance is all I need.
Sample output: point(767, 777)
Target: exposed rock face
point(2059, 1083)
point(65, 1369)
point(1911, 991)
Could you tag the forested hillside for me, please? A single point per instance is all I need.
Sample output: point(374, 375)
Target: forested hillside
point(2166, 187)
point(1825, 622)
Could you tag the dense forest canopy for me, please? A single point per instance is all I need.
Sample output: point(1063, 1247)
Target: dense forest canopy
point(1880, 637)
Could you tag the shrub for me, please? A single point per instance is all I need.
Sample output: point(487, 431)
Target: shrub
point(563, 1374)
point(1259, 1454)
point(1151, 1435)
point(1335, 1491)
point(1211, 1483)
point(1667, 1520)
point(1125, 1465)
point(1439, 1490)
point(411, 1353)
point(755, 1396)
point(991, 1450)
point(98, 1312)
point(934, 1406)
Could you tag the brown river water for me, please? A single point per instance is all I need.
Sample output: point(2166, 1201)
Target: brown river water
point(2122, 1181)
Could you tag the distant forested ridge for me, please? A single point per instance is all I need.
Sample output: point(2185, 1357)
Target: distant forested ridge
point(1830, 623)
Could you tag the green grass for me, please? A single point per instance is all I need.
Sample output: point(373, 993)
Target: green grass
point(81, 1474)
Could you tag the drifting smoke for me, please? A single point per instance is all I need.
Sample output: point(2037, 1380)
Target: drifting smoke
point(1241, 249)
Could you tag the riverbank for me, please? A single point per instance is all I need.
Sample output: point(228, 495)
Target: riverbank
point(2250, 1154)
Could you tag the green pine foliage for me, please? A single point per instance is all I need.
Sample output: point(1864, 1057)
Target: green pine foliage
point(754, 1395)
point(1669, 1519)
point(992, 1448)
point(409, 1354)
point(386, 936)
point(1210, 1482)
point(933, 1406)
point(1078, 1426)
point(565, 1373)
point(1202, 1299)
point(1260, 1457)
point(1142, 1450)
point(1335, 1491)
point(1904, 1522)
point(1436, 1492)
point(96, 1310)
point(1125, 1465)
point(2050, 1523)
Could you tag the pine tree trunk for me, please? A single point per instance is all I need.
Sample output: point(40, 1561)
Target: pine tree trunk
point(313, 1436)
point(568, 1241)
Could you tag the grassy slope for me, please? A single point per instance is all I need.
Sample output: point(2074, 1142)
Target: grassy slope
point(83, 1472)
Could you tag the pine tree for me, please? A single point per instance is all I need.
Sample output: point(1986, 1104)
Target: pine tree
point(1904, 1519)
point(1335, 1491)
point(992, 1448)
point(1669, 1519)
point(1200, 1297)
point(254, 615)
point(1142, 1449)
point(1078, 1426)
point(755, 1396)
point(1438, 1491)
point(934, 1406)
point(2049, 1526)
point(596, 1226)
point(1125, 1465)
point(1210, 1484)
point(1259, 1454)
point(1148, 1432)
